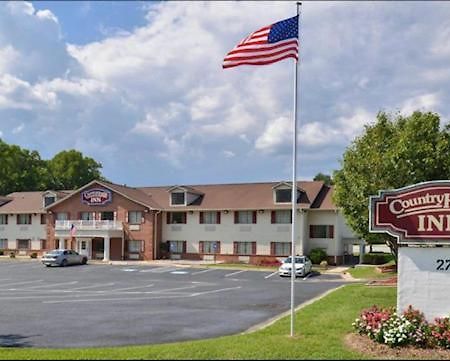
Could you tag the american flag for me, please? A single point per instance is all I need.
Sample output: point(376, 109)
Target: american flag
point(267, 45)
point(73, 230)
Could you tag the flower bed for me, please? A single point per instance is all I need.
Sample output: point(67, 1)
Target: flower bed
point(385, 326)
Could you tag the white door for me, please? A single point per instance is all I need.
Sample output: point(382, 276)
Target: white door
point(84, 247)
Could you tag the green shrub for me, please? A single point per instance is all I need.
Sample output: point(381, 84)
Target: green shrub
point(318, 255)
point(2, 252)
point(33, 255)
point(377, 258)
point(12, 255)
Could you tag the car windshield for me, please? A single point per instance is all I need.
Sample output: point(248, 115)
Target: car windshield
point(55, 253)
point(297, 260)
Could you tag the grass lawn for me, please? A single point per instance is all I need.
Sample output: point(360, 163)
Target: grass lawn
point(320, 329)
point(369, 273)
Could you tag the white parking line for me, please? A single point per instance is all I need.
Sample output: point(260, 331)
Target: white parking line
point(272, 274)
point(128, 269)
point(307, 276)
point(187, 295)
point(234, 273)
point(93, 286)
point(128, 288)
point(215, 291)
point(163, 269)
point(204, 271)
point(20, 283)
point(52, 285)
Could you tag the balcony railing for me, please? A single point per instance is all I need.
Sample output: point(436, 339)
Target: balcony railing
point(89, 225)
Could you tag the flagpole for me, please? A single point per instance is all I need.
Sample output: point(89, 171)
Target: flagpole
point(294, 178)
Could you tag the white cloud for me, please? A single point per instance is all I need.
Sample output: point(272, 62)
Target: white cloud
point(18, 129)
point(278, 133)
point(46, 15)
point(8, 56)
point(228, 154)
point(424, 102)
point(19, 94)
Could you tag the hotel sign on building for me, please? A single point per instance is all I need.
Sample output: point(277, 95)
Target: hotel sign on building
point(419, 217)
point(96, 197)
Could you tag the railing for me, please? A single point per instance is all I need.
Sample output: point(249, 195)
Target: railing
point(88, 225)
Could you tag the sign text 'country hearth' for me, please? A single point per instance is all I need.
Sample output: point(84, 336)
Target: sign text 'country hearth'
point(415, 214)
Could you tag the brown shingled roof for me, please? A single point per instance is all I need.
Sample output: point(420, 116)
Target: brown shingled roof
point(24, 202)
point(240, 196)
point(249, 196)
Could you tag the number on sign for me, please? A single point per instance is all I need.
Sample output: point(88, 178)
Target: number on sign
point(441, 263)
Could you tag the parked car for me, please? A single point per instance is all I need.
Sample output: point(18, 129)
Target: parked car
point(63, 257)
point(303, 266)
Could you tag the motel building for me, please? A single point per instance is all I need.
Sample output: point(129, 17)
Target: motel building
point(248, 222)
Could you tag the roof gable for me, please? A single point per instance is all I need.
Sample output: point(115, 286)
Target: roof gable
point(133, 194)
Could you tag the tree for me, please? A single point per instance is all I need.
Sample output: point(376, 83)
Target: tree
point(326, 178)
point(71, 170)
point(394, 152)
point(21, 169)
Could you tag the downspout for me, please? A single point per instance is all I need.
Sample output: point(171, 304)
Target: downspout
point(155, 234)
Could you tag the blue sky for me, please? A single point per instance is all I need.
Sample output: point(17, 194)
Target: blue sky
point(139, 86)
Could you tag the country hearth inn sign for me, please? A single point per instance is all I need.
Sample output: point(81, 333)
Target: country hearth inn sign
point(419, 217)
point(414, 214)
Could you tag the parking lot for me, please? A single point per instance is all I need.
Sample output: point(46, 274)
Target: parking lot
point(111, 305)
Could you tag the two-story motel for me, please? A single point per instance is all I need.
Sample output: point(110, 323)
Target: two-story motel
point(228, 222)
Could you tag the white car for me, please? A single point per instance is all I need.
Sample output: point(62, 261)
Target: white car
point(303, 266)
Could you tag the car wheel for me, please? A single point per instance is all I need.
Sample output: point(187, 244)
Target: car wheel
point(84, 261)
point(47, 265)
point(64, 263)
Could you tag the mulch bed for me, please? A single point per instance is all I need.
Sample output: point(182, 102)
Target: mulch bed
point(376, 350)
point(391, 281)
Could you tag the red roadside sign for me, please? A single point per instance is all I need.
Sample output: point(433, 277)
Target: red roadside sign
point(419, 213)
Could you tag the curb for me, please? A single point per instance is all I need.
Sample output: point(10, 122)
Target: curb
point(271, 321)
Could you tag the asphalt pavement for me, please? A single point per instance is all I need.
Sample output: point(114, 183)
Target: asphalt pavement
point(117, 305)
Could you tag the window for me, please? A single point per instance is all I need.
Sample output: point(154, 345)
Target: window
point(209, 217)
point(209, 247)
point(245, 217)
point(321, 231)
point(87, 216)
point(135, 217)
point(245, 248)
point(176, 217)
point(135, 246)
point(177, 246)
point(23, 244)
point(280, 248)
point(107, 216)
point(3, 219)
point(43, 218)
point(62, 216)
point(177, 198)
point(24, 219)
point(281, 217)
point(3, 243)
point(283, 195)
point(49, 200)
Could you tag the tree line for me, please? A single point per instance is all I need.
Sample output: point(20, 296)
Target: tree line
point(24, 170)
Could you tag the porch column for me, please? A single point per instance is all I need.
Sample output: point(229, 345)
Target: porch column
point(61, 243)
point(106, 248)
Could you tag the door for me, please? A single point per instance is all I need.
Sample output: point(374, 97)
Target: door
point(84, 247)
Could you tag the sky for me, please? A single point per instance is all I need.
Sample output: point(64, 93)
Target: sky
point(139, 86)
